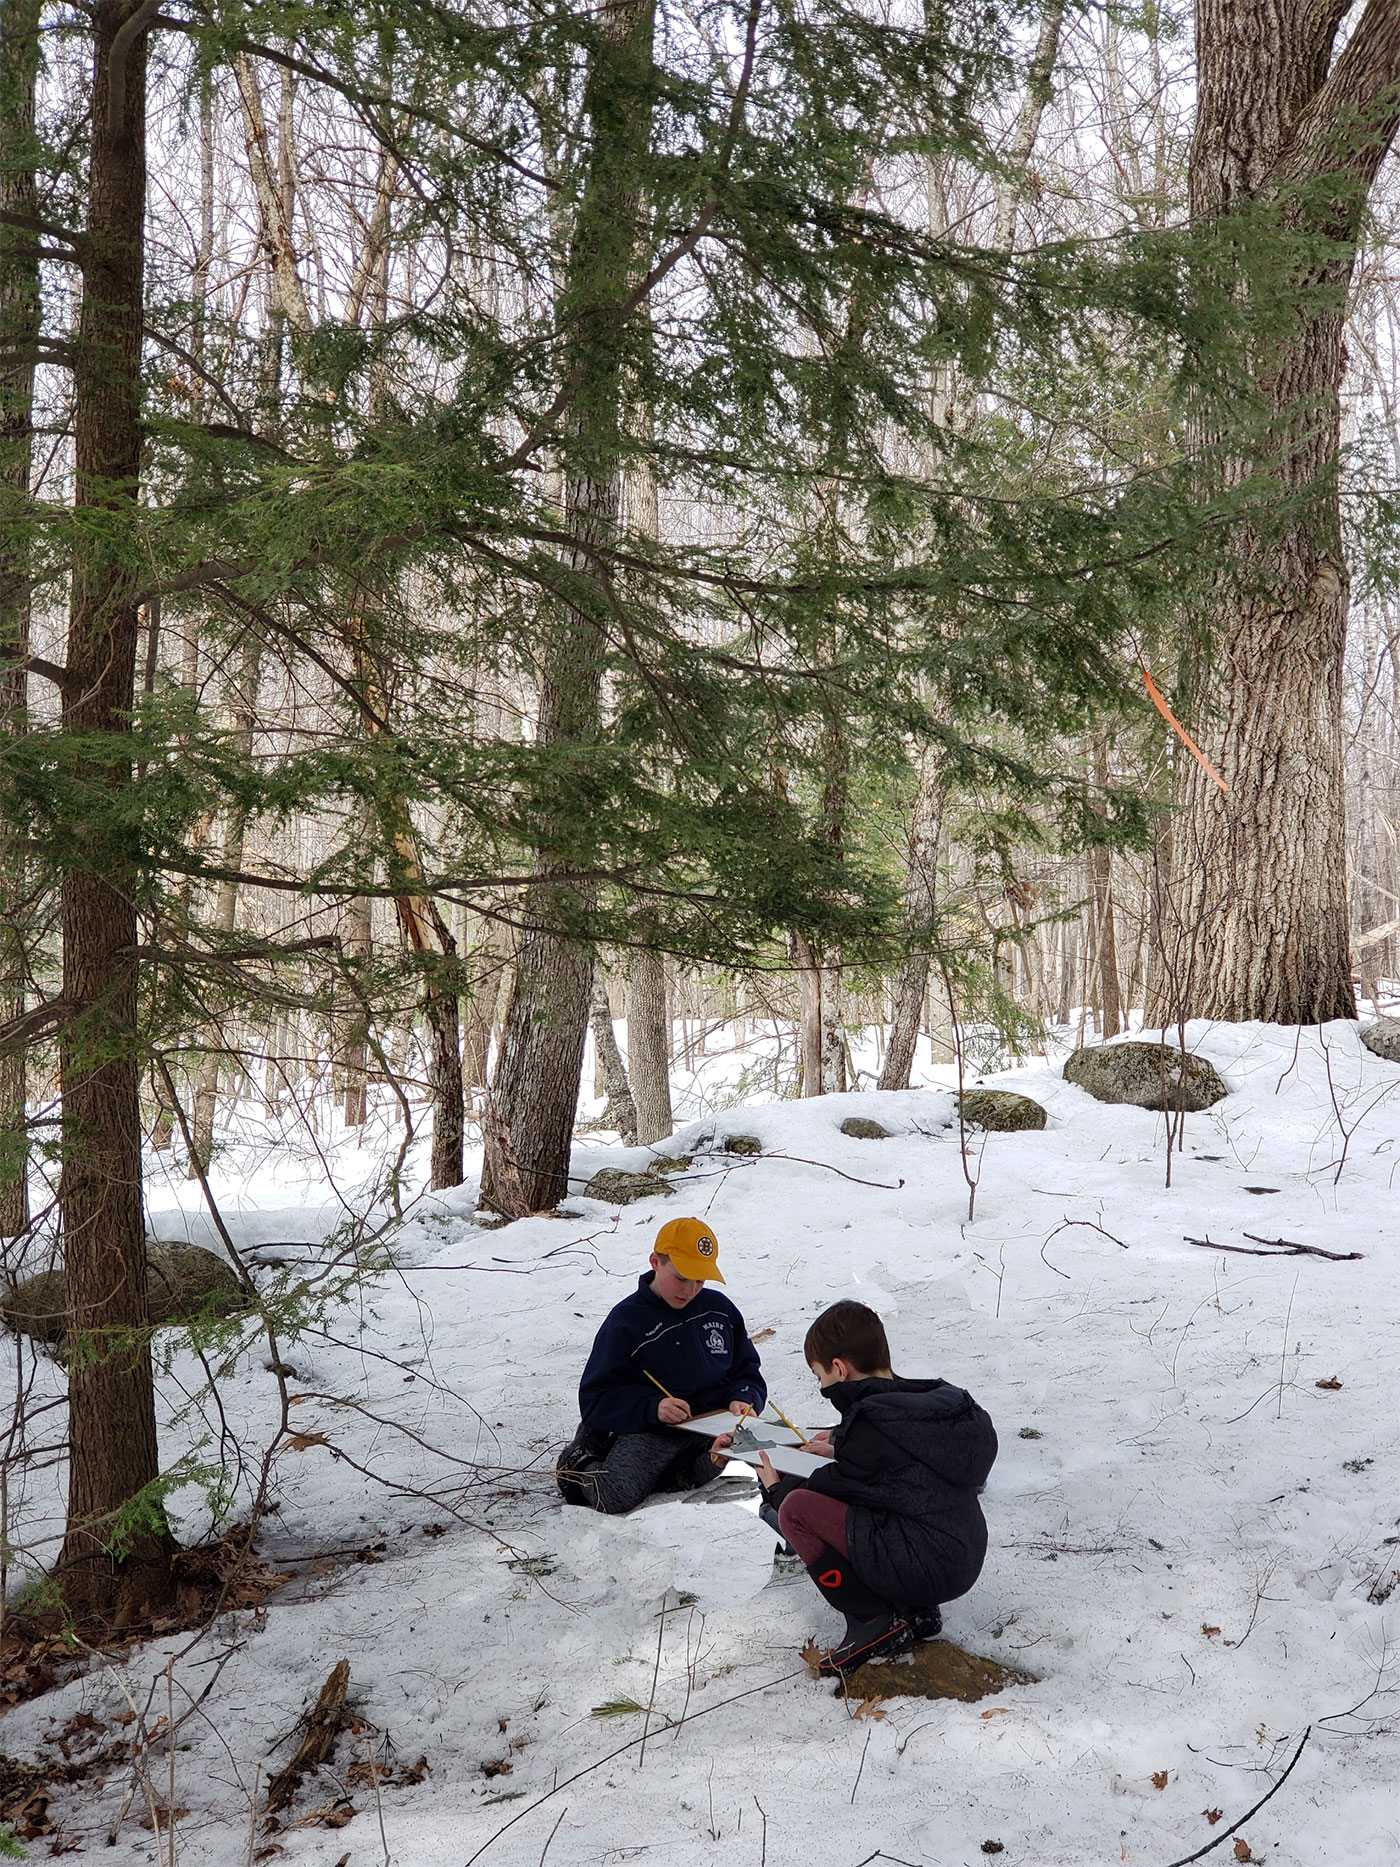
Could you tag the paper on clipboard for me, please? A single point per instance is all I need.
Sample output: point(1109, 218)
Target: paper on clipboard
point(754, 1438)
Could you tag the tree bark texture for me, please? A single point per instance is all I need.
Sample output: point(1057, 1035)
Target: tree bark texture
point(1106, 941)
point(534, 1094)
point(112, 1429)
point(19, 331)
point(920, 906)
point(649, 1045)
point(243, 701)
point(621, 1109)
point(1256, 923)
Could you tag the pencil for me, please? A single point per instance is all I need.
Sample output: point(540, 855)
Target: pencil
point(787, 1422)
point(666, 1390)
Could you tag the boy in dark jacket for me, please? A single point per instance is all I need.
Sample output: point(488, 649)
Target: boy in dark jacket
point(892, 1527)
point(674, 1350)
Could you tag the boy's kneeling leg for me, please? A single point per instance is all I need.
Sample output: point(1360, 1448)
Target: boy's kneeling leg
point(636, 1465)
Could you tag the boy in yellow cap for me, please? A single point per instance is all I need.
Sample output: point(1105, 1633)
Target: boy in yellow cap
point(675, 1349)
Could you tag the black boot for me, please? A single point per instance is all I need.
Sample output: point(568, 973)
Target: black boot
point(924, 1623)
point(587, 1446)
point(873, 1629)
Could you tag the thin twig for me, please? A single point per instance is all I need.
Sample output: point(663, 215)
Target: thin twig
point(655, 1675)
point(763, 1843)
point(797, 1160)
point(552, 1833)
point(1186, 1859)
point(869, 1733)
point(801, 1672)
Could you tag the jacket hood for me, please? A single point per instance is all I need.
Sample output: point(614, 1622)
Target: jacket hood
point(938, 1424)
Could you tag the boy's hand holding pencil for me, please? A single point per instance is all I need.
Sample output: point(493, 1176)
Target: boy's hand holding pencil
point(669, 1410)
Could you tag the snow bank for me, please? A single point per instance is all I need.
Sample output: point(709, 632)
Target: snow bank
point(1192, 1525)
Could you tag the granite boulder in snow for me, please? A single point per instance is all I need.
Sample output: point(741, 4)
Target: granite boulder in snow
point(861, 1128)
point(1001, 1111)
point(184, 1284)
point(1150, 1076)
point(616, 1188)
point(1383, 1038)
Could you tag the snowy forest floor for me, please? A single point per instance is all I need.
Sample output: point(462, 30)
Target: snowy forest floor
point(1194, 1516)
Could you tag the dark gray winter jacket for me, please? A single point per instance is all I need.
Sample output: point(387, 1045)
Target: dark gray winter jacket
point(911, 1458)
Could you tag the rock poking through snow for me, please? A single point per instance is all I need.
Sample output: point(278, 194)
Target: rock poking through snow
point(861, 1128)
point(184, 1284)
point(1150, 1076)
point(1383, 1039)
point(616, 1188)
point(1001, 1111)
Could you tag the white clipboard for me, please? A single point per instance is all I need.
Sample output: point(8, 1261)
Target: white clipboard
point(783, 1446)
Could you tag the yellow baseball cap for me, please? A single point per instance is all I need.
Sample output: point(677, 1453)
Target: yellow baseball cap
point(691, 1247)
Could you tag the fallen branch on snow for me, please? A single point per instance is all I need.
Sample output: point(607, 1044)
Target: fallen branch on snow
point(1276, 1248)
point(1186, 1859)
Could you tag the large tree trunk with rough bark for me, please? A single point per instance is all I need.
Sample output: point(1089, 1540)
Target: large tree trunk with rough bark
point(111, 1564)
point(1289, 137)
point(534, 1094)
point(19, 330)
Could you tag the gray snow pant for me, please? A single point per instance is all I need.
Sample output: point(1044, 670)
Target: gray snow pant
point(617, 1477)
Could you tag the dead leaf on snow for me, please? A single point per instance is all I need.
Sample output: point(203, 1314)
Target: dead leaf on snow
point(1332, 1384)
point(868, 1708)
point(299, 1442)
point(1213, 1815)
point(1159, 1779)
point(162, 1818)
point(814, 1655)
point(1243, 1852)
point(1208, 1631)
point(997, 1711)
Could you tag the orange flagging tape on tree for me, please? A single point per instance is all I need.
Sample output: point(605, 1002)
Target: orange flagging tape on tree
point(1155, 695)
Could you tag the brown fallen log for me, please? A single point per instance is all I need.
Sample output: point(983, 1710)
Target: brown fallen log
point(324, 1723)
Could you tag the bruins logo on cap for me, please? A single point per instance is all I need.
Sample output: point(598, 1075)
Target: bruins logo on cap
point(705, 1246)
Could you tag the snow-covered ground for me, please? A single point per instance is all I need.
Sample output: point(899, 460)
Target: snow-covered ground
point(1193, 1542)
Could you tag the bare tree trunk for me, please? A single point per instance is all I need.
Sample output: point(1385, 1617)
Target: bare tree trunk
point(833, 1029)
point(359, 950)
point(534, 1096)
point(1039, 82)
point(649, 1045)
point(621, 1111)
point(111, 1407)
point(1101, 877)
point(19, 331)
point(810, 1015)
point(1285, 128)
point(243, 708)
point(920, 902)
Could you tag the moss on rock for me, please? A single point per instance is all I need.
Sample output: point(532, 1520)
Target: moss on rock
point(1001, 1111)
point(1149, 1076)
point(616, 1188)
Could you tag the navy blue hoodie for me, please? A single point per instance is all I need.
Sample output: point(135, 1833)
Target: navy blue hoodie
point(701, 1354)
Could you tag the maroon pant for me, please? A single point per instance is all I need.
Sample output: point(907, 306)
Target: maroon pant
point(812, 1522)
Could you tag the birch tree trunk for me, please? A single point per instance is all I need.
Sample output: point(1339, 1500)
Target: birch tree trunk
point(19, 331)
point(1256, 923)
point(534, 1094)
point(111, 1408)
